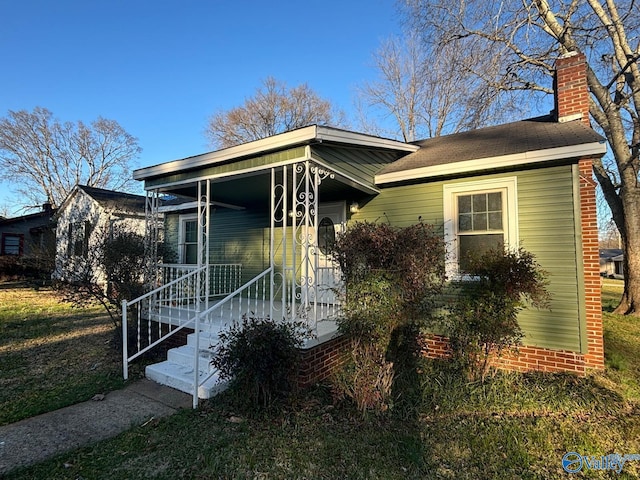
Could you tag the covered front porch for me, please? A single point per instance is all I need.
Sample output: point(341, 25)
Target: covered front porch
point(246, 232)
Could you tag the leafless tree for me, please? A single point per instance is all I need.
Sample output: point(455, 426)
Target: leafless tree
point(525, 39)
point(432, 89)
point(44, 158)
point(609, 236)
point(273, 109)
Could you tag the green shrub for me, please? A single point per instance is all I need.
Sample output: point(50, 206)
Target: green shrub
point(35, 268)
point(392, 277)
point(482, 320)
point(259, 357)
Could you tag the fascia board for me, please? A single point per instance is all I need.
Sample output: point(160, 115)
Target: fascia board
point(259, 146)
point(283, 140)
point(531, 157)
point(191, 205)
point(327, 134)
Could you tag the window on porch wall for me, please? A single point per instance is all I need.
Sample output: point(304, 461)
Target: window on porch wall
point(188, 239)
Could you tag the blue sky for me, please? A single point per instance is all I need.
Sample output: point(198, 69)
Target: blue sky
point(161, 68)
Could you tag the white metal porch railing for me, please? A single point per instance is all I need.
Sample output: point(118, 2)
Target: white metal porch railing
point(165, 311)
point(155, 305)
point(224, 278)
point(253, 298)
point(182, 291)
point(183, 303)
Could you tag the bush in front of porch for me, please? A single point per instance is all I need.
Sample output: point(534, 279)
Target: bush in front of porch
point(392, 276)
point(259, 357)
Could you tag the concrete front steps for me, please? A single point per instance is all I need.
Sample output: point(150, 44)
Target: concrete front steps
point(177, 371)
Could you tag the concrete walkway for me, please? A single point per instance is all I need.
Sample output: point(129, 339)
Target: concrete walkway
point(35, 439)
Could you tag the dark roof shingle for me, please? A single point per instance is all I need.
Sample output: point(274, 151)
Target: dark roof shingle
point(511, 138)
point(120, 201)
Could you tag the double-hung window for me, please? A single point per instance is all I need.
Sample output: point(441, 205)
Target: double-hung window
point(188, 239)
point(479, 215)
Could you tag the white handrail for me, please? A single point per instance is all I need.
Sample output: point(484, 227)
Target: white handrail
point(194, 318)
point(166, 286)
point(178, 282)
point(208, 312)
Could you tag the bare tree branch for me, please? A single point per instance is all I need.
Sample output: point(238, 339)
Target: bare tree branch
point(44, 159)
point(273, 109)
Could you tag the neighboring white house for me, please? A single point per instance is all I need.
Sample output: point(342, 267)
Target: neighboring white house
point(611, 263)
point(85, 216)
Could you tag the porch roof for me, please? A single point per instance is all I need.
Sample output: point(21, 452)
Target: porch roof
point(240, 173)
point(314, 134)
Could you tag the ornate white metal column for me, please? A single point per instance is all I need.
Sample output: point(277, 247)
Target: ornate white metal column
point(307, 178)
point(293, 245)
point(204, 230)
point(280, 268)
point(152, 238)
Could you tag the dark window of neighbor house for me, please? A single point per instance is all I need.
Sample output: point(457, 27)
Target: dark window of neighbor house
point(78, 235)
point(12, 243)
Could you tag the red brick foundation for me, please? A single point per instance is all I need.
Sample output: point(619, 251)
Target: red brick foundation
point(319, 362)
point(528, 358)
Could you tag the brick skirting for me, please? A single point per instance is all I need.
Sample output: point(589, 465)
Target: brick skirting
point(528, 358)
point(319, 362)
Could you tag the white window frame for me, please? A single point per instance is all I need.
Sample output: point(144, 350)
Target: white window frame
point(182, 220)
point(451, 191)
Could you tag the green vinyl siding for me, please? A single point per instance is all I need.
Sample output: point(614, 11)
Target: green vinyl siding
point(546, 222)
point(240, 237)
point(547, 229)
point(237, 237)
point(403, 206)
point(358, 163)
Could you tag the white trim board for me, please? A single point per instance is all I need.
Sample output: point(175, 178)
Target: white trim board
point(467, 166)
point(449, 193)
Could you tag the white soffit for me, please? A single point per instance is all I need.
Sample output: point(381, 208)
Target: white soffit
point(531, 157)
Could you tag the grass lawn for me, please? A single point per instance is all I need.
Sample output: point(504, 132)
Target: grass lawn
point(512, 427)
point(51, 354)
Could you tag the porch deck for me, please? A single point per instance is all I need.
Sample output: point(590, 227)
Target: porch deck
point(178, 370)
point(320, 331)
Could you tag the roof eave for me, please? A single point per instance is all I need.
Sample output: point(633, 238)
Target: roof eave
point(302, 136)
point(594, 149)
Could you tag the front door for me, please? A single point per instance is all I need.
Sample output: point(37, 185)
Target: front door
point(331, 221)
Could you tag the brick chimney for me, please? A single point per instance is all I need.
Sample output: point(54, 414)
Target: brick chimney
point(571, 90)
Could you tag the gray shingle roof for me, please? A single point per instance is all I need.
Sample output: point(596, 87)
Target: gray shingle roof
point(120, 201)
point(511, 138)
